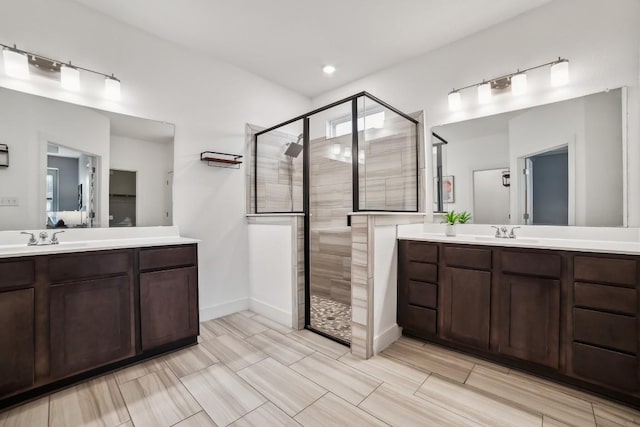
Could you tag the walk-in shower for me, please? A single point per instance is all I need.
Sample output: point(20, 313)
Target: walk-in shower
point(358, 154)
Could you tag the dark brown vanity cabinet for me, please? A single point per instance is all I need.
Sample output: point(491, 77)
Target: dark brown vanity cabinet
point(168, 295)
point(569, 316)
point(17, 356)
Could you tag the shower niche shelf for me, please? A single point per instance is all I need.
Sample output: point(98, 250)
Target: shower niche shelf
point(221, 160)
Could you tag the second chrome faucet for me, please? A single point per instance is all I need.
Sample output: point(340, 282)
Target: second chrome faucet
point(501, 232)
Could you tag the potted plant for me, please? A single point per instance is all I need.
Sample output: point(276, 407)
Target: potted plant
point(452, 218)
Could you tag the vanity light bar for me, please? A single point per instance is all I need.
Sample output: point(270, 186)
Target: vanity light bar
point(16, 64)
point(559, 76)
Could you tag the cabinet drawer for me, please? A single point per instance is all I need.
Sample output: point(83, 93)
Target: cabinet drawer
point(605, 329)
point(423, 272)
point(605, 366)
point(420, 320)
point(423, 294)
point(532, 263)
point(71, 267)
point(175, 256)
point(611, 298)
point(606, 270)
point(422, 252)
point(455, 256)
point(17, 273)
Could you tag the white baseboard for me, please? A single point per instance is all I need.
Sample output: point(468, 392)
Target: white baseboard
point(219, 310)
point(386, 338)
point(271, 312)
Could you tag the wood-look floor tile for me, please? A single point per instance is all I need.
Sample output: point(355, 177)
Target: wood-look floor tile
point(127, 424)
point(388, 370)
point(612, 415)
point(533, 395)
point(287, 389)
point(410, 341)
point(454, 368)
point(140, 370)
point(31, 414)
point(550, 422)
point(281, 347)
point(241, 325)
point(189, 360)
point(399, 408)
point(320, 343)
point(272, 325)
point(158, 399)
point(450, 354)
point(343, 380)
point(266, 415)
point(330, 410)
point(95, 403)
point(247, 313)
point(201, 419)
point(223, 395)
point(233, 352)
point(469, 403)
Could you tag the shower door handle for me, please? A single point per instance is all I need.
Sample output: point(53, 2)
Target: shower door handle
point(348, 220)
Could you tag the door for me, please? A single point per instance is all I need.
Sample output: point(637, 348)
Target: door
point(17, 356)
point(168, 306)
point(91, 324)
point(467, 306)
point(529, 318)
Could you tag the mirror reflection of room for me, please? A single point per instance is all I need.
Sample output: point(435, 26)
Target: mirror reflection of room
point(555, 164)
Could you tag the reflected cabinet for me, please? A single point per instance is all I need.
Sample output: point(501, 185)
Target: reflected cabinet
point(571, 317)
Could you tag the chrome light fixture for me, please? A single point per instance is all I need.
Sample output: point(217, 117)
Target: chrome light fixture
point(516, 81)
point(17, 64)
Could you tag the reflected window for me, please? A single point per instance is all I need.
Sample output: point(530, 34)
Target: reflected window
point(342, 126)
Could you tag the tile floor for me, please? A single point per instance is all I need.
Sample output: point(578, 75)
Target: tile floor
point(331, 317)
point(250, 371)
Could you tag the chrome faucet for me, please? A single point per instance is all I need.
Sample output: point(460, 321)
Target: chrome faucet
point(503, 232)
point(512, 234)
point(32, 239)
point(55, 241)
point(43, 238)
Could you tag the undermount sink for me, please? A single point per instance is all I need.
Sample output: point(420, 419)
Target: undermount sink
point(502, 240)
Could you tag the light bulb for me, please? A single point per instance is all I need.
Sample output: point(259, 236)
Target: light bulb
point(70, 77)
point(519, 84)
point(484, 93)
point(336, 148)
point(347, 152)
point(16, 64)
point(455, 101)
point(560, 73)
point(112, 88)
point(329, 69)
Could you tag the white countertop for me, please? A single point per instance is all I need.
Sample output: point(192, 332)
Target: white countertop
point(97, 240)
point(578, 245)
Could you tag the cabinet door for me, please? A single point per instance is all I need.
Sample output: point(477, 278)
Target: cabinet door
point(91, 324)
point(168, 306)
point(16, 340)
point(466, 307)
point(529, 318)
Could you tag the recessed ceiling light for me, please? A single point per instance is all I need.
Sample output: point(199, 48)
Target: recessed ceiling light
point(329, 69)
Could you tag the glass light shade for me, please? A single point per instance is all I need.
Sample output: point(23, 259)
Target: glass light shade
point(336, 148)
point(16, 64)
point(347, 152)
point(112, 88)
point(484, 93)
point(519, 84)
point(455, 101)
point(560, 73)
point(70, 77)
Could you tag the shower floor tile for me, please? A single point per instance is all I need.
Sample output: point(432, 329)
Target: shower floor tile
point(331, 317)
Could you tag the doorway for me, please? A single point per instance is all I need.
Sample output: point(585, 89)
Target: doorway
point(122, 198)
point(547, 187)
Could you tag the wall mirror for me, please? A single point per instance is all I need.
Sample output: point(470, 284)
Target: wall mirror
point(557, 164)
point(80, 167)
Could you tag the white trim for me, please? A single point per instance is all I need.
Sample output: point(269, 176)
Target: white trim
point(219, 310)
point(271, 312)
point(386, 338)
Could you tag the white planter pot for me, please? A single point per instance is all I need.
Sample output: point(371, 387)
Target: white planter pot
point(450, 230)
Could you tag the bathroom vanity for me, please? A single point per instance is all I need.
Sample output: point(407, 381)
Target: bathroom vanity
point(564, 313)
point(77, 310)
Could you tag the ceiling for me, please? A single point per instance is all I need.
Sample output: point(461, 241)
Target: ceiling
point(137, 128)
point(288, 41)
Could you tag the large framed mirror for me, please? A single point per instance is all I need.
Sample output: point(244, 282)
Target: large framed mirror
point(557, 164)
point(77, 167)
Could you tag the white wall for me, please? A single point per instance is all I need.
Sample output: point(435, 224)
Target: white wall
point(151, 161)
point(209, 101)
point(27, 124)
point(601, 40)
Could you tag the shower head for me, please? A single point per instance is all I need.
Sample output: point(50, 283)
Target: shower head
point(294, 148)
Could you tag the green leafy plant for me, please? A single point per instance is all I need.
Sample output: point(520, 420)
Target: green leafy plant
point(453, 218)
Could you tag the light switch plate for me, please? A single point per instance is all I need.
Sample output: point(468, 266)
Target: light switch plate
point(9, 201)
